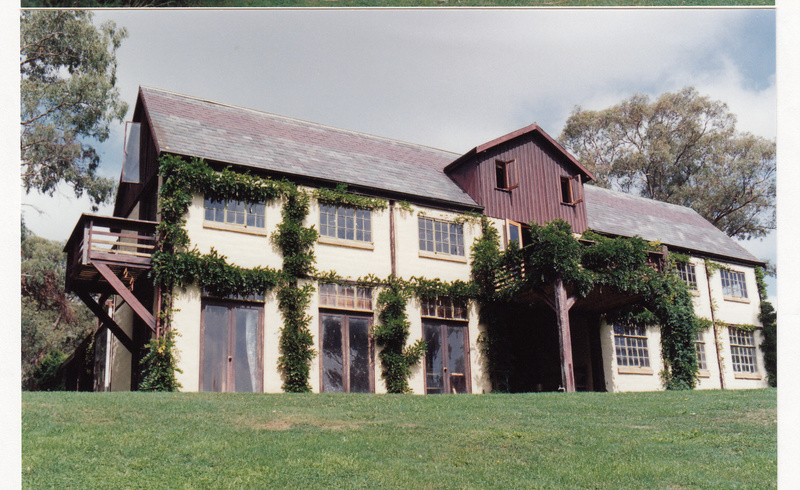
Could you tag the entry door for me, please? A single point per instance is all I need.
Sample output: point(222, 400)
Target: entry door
point(346, 354)
point(446, 362)
point(231, 349)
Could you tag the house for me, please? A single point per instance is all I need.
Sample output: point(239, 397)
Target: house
point(425, 230)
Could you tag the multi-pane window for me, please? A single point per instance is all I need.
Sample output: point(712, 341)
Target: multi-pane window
point(700, 349)
point(733, 284)
point(743, 350)
point(631, 346)
point(345, 222)
point(687, 273)
point(441, 237)
point(241, 213)
point(345, 296)
point(444, 307)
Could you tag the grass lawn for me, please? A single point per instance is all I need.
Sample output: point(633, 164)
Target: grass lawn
point(707, 439)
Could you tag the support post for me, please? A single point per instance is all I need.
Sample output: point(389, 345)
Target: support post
point(102, 314)
point(562, 305)
point(127, 295)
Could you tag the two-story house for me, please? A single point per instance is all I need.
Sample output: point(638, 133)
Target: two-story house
point(231, 343)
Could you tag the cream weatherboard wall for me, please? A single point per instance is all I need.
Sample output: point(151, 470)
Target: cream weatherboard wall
point(349, 259)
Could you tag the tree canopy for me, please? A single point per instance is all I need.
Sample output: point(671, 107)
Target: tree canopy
point(69, 98)
point(681, 148)
point(53, 321)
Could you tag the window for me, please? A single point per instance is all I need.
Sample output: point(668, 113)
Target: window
point(347, 348)
point(441, 237)
point(687, 273)
point(345, 297)
point(231, 346)
point(733, 284)
point(506, 174)
point(445, 308)
point(743, 350)
point(240, 213)
point(700, 348)
point(345, 223)
point(517, 232)
point(631, 346)
point(570, 190)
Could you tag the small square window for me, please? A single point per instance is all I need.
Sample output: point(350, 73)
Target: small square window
point(570, 190)
point(345, 223)
point(241, 213)
point(441, 237)
point(506, 174)
point(631, 346)
point(687, 273)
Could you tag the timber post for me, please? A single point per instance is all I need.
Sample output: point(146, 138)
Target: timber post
point(562, 305)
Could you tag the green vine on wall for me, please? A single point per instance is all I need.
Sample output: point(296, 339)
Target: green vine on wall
point(339, 196)
point(618, 264)
point(769, 321)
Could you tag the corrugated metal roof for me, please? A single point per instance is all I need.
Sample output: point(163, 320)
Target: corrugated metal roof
point(622, 214)
point(194, 127)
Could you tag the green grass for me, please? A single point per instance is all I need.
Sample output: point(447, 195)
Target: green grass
point(701, 439)
point(391, 3)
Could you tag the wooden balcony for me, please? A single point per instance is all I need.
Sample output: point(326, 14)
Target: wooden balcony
point(106, 256)
point(124, 246)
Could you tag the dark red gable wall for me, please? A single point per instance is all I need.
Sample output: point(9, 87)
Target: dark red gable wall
point(538, 197)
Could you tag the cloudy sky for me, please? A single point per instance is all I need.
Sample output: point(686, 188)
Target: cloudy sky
point(450, 79)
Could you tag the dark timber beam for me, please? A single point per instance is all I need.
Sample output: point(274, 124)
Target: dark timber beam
point(106, 320)
point(127, 295)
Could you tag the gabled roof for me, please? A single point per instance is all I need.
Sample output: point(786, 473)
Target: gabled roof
point(532, 129)
point(616, 213)
point(190, 126)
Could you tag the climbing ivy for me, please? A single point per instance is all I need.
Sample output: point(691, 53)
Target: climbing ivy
point(595, 261)
point(391, 333)
point(769, 321)
point(158, 364)
point(339, 196)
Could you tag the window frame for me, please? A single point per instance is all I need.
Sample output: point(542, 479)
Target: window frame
point(631, 340)
point(744, 360)
point(730, 279)
point(460, 254)
point(225, 224)
point(688, 273)
point(339, 213)
point(340, 296)
point(700, 352)
point(506, 174)
point(444, 308)
point(567, 186)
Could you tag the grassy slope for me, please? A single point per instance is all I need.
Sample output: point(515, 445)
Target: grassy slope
point(712, 439)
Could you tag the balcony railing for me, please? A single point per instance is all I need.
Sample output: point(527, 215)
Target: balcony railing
point(117, 242)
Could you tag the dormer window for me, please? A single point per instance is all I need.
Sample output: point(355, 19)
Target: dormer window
point(571, 190)
point(506, 174)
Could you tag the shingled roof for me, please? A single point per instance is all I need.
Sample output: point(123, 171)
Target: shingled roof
point(616, 213)
point(190, 126)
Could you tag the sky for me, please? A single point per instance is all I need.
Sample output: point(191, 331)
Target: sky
point(449, 79)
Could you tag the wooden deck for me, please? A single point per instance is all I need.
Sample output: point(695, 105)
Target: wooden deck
point(123, 246)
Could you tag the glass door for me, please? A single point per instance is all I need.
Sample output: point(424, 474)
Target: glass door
point(346, 354)
point(231, 347)
point(446, 361)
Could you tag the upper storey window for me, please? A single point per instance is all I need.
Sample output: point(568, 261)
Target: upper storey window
point(245, 214)
point(571, 190)
point(506, 174)
point(687, 273)
point(441, 237)
point(345, 223)
point(733, 285)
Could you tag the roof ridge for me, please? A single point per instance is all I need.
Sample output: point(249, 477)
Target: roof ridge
point(304, 121)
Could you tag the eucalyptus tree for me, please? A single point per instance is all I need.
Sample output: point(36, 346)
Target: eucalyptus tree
point(69, 99)
point(681, 148)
